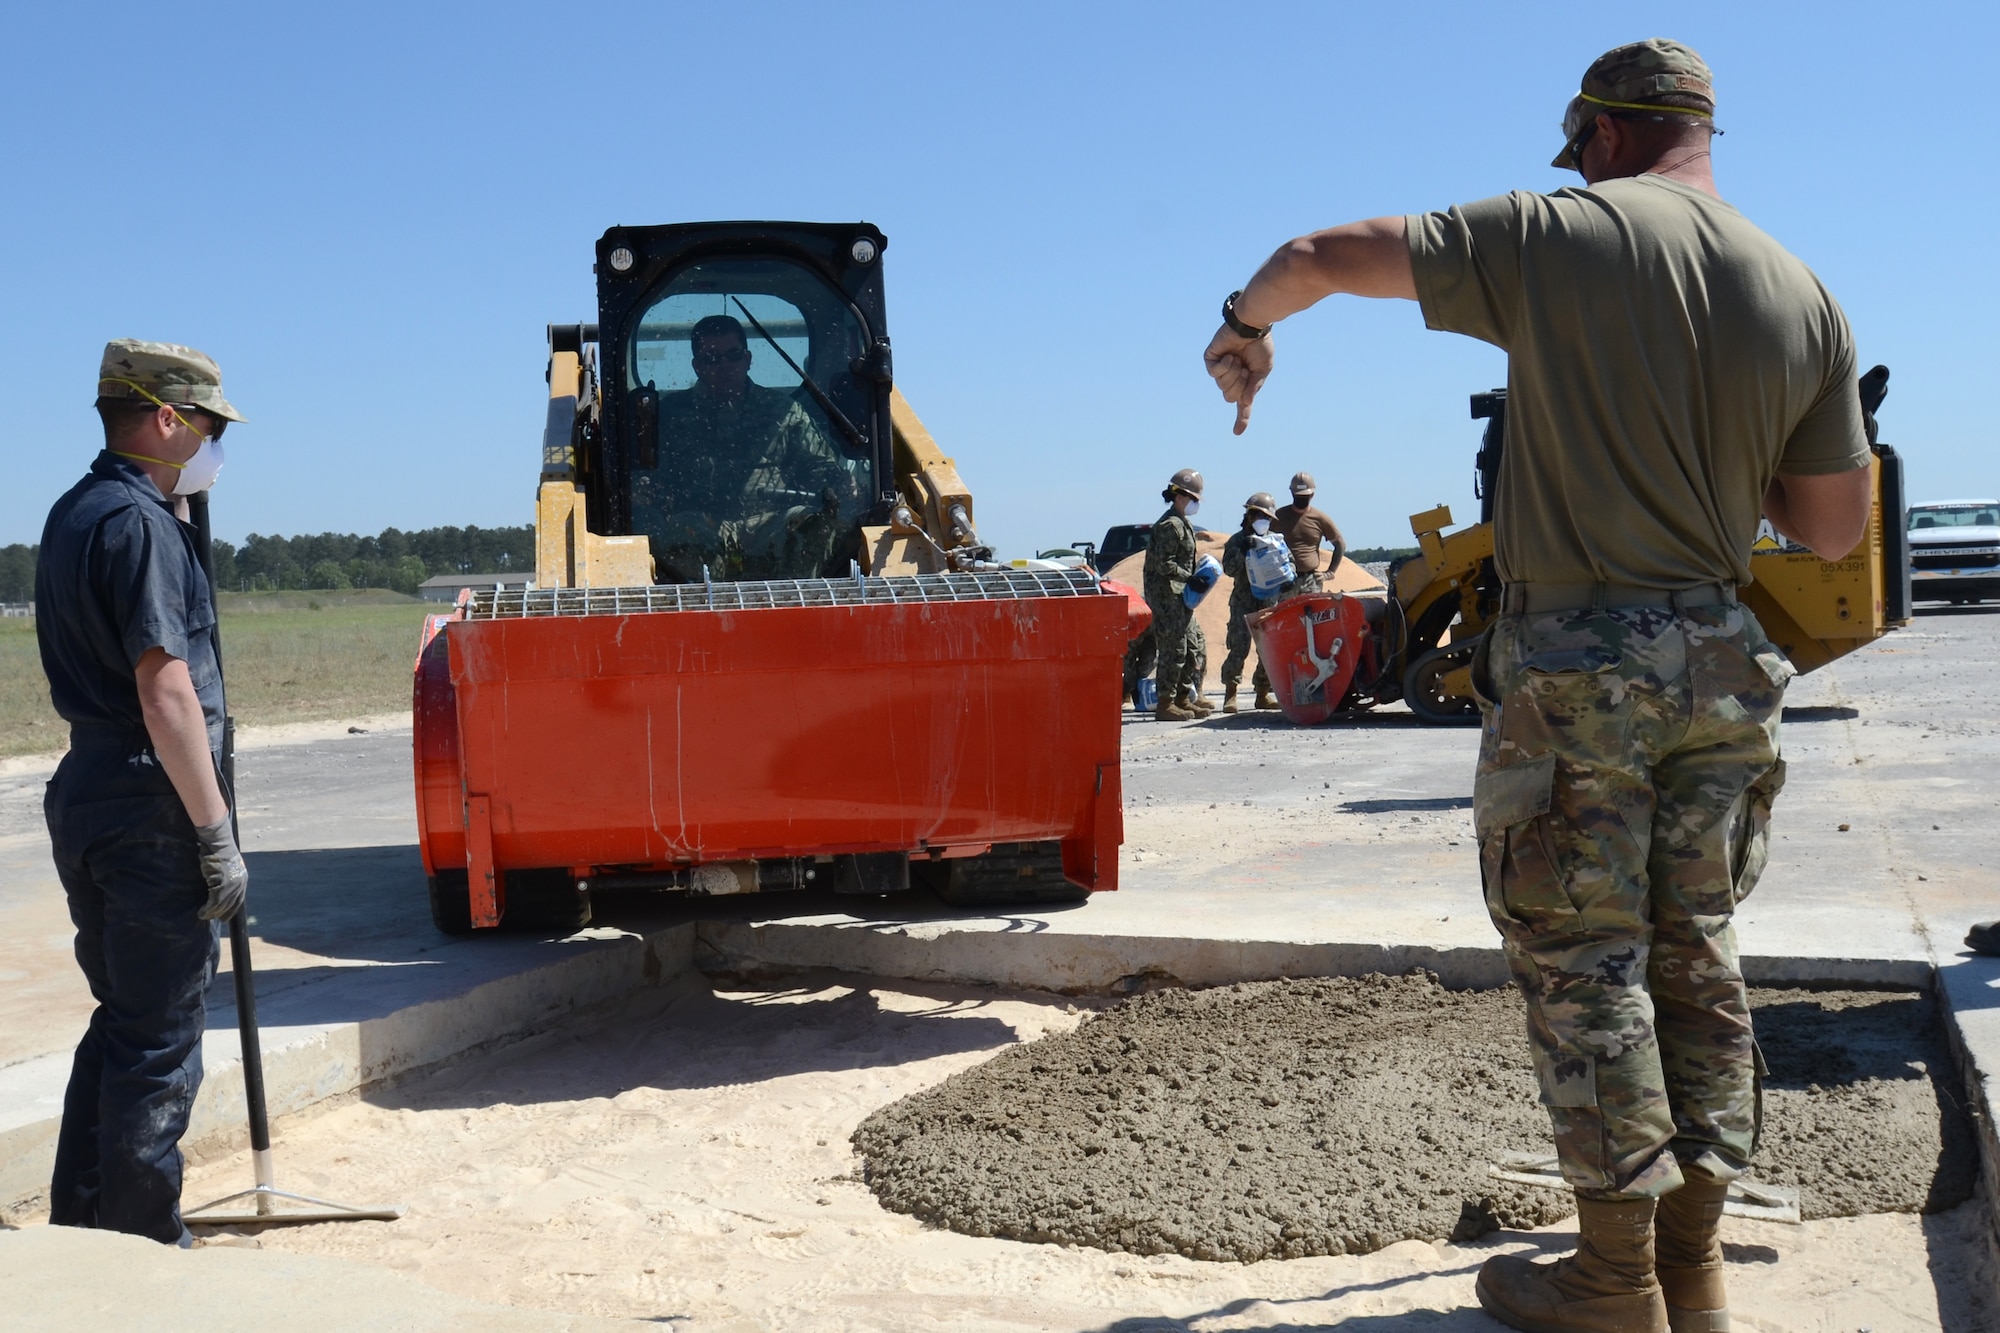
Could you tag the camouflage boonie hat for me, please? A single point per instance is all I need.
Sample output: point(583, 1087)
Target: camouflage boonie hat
point(162, 372)
point(1653, 75)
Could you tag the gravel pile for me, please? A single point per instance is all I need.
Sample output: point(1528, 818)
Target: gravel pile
point(1336, 1116)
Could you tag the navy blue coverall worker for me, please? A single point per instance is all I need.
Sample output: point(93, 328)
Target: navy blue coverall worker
point(137, 815)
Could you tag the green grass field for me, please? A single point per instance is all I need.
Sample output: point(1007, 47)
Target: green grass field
point(288, 657)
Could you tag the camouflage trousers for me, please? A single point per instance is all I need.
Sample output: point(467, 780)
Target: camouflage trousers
point(1143, 655)
point(1238, 643)
point(1173, 650)
point(1627, 766)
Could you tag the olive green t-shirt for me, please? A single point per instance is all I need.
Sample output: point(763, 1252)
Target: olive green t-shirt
point(1664, 359)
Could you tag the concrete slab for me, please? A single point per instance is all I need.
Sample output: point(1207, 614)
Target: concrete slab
point(1253, 850)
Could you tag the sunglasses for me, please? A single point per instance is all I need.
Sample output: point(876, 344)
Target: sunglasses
point(216, 424)
point(728, 358)
point(1579, 124)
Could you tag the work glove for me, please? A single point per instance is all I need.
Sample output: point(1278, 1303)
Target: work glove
point(222, 867)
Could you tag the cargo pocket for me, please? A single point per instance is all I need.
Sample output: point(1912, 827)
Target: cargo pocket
point(1518, 865)
point(1753, 831)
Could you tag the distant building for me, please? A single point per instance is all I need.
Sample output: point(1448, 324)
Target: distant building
point(446, 587)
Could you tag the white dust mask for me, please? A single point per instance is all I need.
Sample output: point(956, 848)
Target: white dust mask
point(1194, 507)
point(1260, 526)
point(199, 472)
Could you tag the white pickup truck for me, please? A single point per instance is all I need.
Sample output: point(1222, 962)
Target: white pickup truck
point(1955, 551)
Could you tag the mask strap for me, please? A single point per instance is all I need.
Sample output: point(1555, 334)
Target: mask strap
point(148, 458)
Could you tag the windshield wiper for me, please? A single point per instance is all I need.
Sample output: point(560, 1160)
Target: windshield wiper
point(847, 428)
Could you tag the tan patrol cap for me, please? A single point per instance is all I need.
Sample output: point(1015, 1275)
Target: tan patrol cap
point(164, 373)
point(1302, 484)
point(1655, 75)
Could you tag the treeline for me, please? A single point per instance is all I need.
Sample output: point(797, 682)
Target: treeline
point(331, 560)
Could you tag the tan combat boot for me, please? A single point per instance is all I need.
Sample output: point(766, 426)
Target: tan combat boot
point(1229, 698)
point(1197, 705)
point(1266, 699)
point(1607, 1286)
point(1167, 712)
point(1689, 1255)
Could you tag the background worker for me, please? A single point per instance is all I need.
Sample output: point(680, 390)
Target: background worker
point(1170, 559)
point(1305, 529)
point(1258, 512)
point(137, 815)
point(1671, 370)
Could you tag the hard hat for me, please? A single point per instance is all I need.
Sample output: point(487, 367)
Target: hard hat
point(1263, 504)
point(1302, 483)
point(1187, 479)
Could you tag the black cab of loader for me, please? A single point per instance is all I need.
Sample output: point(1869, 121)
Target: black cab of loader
point(742, 416)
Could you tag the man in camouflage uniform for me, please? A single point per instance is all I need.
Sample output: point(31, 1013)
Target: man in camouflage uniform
point(747, 481)
point(1258, 511)
point(1170, 561)
point(1672, 370)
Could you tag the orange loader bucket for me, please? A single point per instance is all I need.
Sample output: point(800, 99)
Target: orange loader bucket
point(603, 731)
point(1310, 646)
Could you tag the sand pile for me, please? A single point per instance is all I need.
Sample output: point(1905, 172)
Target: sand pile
point(1337, 1116)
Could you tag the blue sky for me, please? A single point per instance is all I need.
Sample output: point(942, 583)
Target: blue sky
point(367, 214)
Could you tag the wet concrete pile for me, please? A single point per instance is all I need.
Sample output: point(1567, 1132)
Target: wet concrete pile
point(1336, 1116)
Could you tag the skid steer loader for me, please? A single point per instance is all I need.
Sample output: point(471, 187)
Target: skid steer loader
point(765, 647)
point(1419, 640)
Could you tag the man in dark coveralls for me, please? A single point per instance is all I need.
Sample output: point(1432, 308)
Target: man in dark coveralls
point(137, 814)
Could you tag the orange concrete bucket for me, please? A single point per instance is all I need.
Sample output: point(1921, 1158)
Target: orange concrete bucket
point(1310, 647)
point(601, 731)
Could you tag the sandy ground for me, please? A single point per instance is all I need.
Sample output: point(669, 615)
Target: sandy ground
point(690, 1166)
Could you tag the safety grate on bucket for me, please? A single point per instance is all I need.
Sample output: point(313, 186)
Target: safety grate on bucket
point(861, 590)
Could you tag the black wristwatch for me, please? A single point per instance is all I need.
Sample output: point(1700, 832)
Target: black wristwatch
point(1237, 326)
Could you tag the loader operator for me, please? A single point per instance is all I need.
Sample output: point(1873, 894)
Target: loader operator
point(1671, 370)
point(138, 818)
point(1305, 529)
point(748, 482)
point(1259, 511)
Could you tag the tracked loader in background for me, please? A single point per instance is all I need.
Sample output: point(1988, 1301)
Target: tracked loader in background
point(1330, 654)
point(765, 648)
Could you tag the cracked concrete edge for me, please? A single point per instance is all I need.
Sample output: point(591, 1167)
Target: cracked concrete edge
point(304, 1066)
point(1077, 964)
point(1969, 995)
